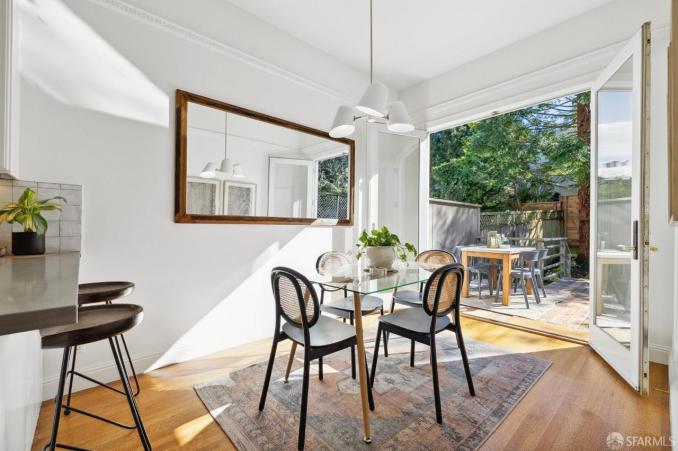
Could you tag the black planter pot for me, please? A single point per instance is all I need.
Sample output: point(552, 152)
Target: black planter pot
point(28, 243)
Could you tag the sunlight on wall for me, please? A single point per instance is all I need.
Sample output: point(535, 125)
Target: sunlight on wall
point(67, 59)
point(228, 323)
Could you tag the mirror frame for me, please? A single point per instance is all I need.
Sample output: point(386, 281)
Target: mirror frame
point(180, 180)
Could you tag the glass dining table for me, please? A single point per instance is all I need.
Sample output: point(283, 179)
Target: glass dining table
point(357, 279)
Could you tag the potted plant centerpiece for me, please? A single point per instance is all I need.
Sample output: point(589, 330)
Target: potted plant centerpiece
point(27, 211)
point(382, 247)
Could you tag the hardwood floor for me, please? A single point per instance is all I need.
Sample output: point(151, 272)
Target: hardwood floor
point(575, 405)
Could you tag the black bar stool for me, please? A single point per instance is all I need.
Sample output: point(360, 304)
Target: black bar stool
point(95, 323)
point(94, 293)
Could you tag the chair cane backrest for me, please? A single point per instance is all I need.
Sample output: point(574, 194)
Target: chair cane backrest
point(441, 294)
point(332, 261)
point(296, 300)
point(435, 257)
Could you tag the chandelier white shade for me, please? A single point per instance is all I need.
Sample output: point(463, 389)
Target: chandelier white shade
point(399, 119)
point(226, 168)
point(209, 171)
point(374, 105)
point(343, 122)
point(374, 101)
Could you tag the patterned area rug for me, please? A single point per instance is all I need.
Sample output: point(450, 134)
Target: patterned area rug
point(405, 414)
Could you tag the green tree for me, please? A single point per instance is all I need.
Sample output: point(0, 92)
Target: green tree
point(507, 160)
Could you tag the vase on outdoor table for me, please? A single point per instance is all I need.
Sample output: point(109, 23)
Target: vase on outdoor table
point(380, 256)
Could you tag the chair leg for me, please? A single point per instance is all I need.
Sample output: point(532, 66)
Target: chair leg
point(436, 388)
point(370, 399)
point(499, 287)
point(119, 362)
point(67, 409)
point(376, 355)
point(352, 355)
point(385, 337)
point(58, 401)
point(290, 359)
point(464, 359)
point(541, 282)
point(131, 366)
point(412, 353)
point(480, 285)
point(304, 401)
point(524, 288)
point(320, 368)
point(269, 369)
point(535, 289)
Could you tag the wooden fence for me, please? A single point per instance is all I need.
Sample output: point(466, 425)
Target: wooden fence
point(532, 224)
point(569, 205)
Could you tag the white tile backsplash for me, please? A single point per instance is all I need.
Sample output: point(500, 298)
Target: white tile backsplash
point(64, 228)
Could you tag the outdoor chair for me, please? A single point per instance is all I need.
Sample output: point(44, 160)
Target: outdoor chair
point(539, 271)
point(480, 267)
point(528, 263)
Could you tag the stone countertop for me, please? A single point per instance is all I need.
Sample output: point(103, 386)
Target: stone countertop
point(38, 291)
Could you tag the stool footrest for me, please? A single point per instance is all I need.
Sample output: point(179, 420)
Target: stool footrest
point(98, 417)
point(65, 446)
point(94, 381)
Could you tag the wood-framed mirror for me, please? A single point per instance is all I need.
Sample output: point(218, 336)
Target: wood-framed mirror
point(238, 166)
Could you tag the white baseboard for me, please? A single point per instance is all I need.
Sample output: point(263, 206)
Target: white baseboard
point(659, 353)
point(103, 372)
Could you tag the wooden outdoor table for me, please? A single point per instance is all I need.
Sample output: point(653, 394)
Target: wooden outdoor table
point(506, 256)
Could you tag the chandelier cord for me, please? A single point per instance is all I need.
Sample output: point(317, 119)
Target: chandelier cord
point(371, 44)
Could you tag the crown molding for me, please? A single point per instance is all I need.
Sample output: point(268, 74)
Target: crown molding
point(219, 47)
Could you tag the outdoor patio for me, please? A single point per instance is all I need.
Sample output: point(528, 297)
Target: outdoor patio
point(566, 303)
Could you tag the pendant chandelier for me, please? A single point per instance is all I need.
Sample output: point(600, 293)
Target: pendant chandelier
point(226, 168)
point(374, 105)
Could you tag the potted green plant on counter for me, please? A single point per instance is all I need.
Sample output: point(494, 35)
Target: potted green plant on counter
point(27, 211)
point(382, 247)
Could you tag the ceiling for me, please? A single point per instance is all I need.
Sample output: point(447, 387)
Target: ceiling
point(413, 40)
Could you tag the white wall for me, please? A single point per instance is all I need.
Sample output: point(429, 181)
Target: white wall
point(203, 287)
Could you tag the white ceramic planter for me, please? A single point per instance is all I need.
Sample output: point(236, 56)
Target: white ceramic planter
point(381, 256)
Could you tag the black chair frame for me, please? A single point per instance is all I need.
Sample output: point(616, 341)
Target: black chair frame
point(310, 352)
point(428, 338)
point(127, 391)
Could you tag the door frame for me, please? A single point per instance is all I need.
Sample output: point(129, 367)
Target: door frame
point(273, 162)
point(612, 351)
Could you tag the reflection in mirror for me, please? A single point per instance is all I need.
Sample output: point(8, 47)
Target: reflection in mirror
point(399, 185)
point(614, 214)
point(239, 166)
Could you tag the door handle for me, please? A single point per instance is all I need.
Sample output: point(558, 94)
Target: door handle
point(635, 239)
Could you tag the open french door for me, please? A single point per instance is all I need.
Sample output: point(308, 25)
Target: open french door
point(618, 264)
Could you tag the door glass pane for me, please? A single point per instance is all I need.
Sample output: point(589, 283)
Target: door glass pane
point(614, 214)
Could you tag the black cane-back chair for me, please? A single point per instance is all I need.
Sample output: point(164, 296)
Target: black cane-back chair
point(328, 263)
point(296, 302)
point(441, 298)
